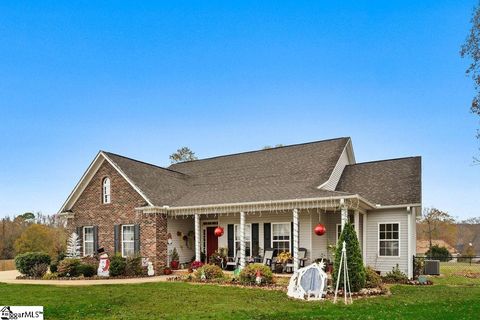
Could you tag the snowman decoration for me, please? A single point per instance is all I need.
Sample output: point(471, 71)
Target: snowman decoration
point(150, 270)
point(104, 266)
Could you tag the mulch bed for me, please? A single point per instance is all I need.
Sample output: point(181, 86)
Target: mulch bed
point(227, 283)
point(418, 283)
point(364, 293)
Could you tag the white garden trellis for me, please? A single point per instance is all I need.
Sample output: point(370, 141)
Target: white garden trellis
point(343, 267)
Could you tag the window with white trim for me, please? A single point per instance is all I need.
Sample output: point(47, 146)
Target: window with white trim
point(339, 230)
point(248, 239)
point(88, 241)
point(281, 233)
point(389, 240)
point(128, 240)
point(106, 191)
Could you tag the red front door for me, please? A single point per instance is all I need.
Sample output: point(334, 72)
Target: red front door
point(212, 241)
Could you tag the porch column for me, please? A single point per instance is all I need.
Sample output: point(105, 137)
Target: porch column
point(409, 243)
point(242, 240)
point(295, 240)
point(198, 257)
point(344, 215)
point(364, 239)
point(356, 221)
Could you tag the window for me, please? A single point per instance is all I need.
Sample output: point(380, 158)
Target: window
point(128, 242)
point(106, 191)
point(88, 241)
point(248, 239)
point(339, 230)
point(281, 236)
point(389, 240)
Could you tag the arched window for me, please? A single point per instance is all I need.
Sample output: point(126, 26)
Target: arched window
point(106, 190)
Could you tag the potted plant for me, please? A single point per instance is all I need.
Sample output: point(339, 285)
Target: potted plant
point(194, 266)
point(174, 259)
point(218, 257)
point(283, 258)
point(167, 271)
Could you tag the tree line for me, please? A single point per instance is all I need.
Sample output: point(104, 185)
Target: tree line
point(436, 224)
point(31, 232)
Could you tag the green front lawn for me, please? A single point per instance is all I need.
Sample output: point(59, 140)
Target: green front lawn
point(190, 301)
point(460, 273)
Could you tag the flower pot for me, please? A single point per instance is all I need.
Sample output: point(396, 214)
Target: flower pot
point(174, 265)
point(329, 268)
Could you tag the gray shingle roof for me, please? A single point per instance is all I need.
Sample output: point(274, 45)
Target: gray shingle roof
point(284, 173)
point(386, 182)
point(290, 172)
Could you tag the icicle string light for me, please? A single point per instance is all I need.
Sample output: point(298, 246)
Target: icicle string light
point(332, 205)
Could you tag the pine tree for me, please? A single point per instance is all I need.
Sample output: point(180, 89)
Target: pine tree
point(73, 246)
point(356, 270)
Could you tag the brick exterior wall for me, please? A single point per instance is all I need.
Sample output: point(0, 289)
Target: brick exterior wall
point(89, 210)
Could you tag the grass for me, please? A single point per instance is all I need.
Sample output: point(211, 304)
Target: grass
point(190, 301)
point(454, 274)
point(6, 265)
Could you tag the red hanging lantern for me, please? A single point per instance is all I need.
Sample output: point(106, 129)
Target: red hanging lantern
point(319, 229)
point(218, 232)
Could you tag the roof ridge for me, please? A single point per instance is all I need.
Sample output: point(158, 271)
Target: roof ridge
point(143, 162)
point(384, 160)
point(261, 150)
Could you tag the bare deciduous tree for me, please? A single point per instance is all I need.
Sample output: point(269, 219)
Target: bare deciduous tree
point(434, 220)
point(471, 49)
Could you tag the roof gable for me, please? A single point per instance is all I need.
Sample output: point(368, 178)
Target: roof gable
point(88, 175)
point(385, 182)
point(160, 185)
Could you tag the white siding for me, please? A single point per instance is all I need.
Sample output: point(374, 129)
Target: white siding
point(305, 227)
point(319, 243)
point(337, 171)
point(316, 245)
point(385, 264)
point(184, 225)
point(331, 221)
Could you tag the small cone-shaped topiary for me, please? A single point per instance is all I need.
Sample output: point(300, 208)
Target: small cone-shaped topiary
point(356, 270)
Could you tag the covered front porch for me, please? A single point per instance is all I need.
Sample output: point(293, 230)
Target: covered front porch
point(251, 230)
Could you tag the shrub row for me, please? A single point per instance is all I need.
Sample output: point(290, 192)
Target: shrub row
point(36, 264)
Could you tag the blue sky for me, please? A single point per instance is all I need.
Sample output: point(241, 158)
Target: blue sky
point(144, 78)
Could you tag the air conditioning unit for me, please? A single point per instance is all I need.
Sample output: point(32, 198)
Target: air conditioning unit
point(432, 267)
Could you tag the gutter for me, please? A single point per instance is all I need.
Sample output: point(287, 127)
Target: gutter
point(254, 206)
